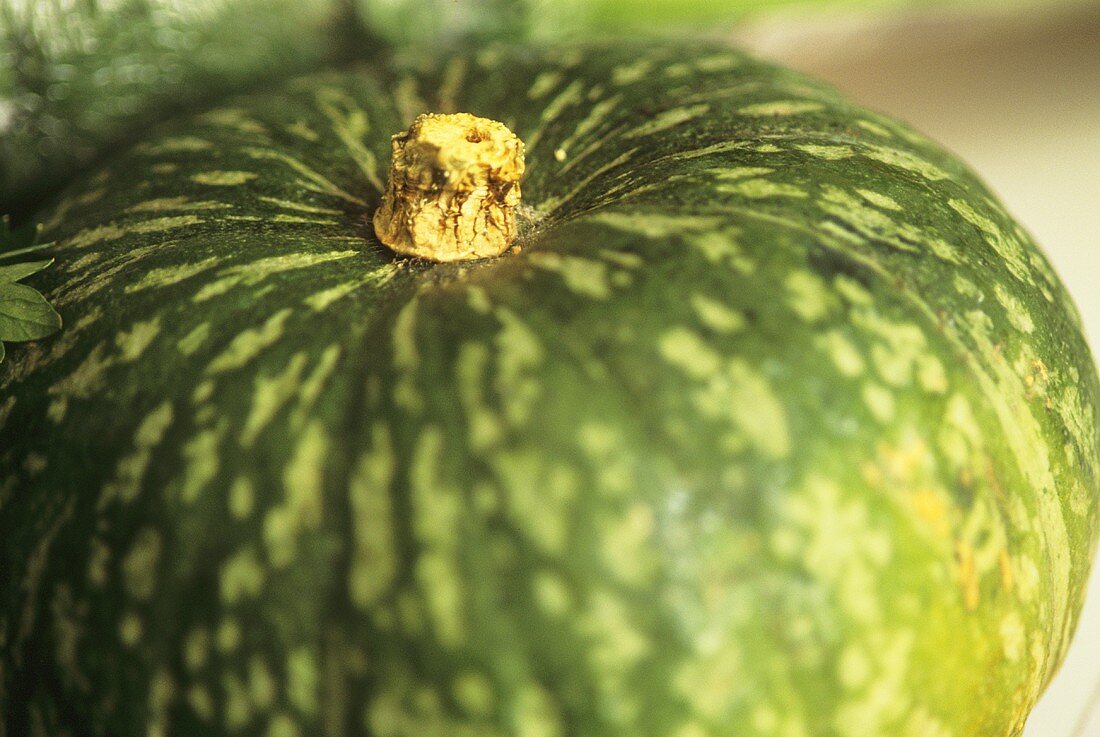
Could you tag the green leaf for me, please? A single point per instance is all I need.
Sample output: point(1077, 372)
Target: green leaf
point(15, 272)
point(25, 314)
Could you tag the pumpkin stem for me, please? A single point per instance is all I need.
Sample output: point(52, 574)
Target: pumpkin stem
point(453, 189)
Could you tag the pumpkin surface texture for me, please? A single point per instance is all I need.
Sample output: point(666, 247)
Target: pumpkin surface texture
point(772, 423)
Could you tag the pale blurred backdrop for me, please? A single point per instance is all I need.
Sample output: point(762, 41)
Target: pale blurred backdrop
point(1016, 93)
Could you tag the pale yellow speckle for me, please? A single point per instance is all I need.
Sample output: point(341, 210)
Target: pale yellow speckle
point(722, 247)
point(872, 710)
point(98, 559)
point(684, 348)
point(194, 339)
point(139, 567)
point(656, 225)
point(237, 707)
point(879, 200)
point(255, 272)
point(519, 354)
point(827, 152)
point(734, 173)
point(630, 73)
point(228, 635)
point(931, 374)
point(1013, 636)
point(162, 692)
point(933, 508)
point(202, 454)
point(782, 108)
point(87, 378)
point(624, 259)
point(853, 667)
point(880, 401)
point(945, 251)
point(202, 704)
point(270, 394)
point(234, 118)
point(967, 575)
point(765, 719)
point(668, 119)
point(320, 301)
point(716, 315)
point(437, 515)
point(757, 189)
point(544, 84)
point(1017, 314)
point(302, 508)
point(203, 392)
point(626, 545)
point(844, 354)
point(133, 342)
point(900, 352)
point(851, 290)
point(130, 470)
point(744, 397)
point(300, 206)
point(196, 649)
point(373, 564)
point(875, 128)
point(301, 129)
point(841, 544)
point(905, 160)
point(261, 684)
point(536, 714)
point(250, 343)
point(807, 295)
point(303, 680)
point(103, 233)
point(580, 275)
point(552, 593)
point(478, 300)
point(283, 217)
point(690, 729)
point(242, 498)
point(175, 144)
point(474, 693)
point(130, 629)
point(283, 725)
point(484, 425)
point(406, 357)
point(706, 682)
point(181, 203)
point(242, 576)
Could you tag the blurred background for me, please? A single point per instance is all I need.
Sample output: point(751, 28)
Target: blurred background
point(1012, 86)
point(1014, 90)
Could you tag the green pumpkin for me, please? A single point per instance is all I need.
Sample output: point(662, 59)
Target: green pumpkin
point(772, 423)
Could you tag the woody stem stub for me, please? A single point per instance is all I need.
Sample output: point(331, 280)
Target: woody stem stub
point(453, 189)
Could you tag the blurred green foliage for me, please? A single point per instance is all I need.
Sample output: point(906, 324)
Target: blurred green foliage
point(78, 76)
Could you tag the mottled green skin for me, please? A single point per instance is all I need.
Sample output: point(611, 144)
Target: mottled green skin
point(776, 425)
